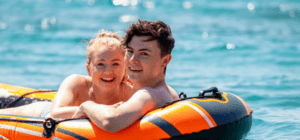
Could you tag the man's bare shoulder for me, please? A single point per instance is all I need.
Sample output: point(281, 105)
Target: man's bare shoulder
point(160, 94)
point(173, 93)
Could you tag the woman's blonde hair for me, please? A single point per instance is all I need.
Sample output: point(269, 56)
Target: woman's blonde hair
point(105, 39)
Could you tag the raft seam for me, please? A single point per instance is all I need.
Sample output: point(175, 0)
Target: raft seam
point(163, 124)
point(22, 130)
point(200, 112)
point(181, 136)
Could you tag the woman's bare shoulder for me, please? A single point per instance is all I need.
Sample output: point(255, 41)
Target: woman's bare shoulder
point(77, 82)
point(127, 90)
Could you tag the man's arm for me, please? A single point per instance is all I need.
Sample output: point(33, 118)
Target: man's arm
point(113, 118)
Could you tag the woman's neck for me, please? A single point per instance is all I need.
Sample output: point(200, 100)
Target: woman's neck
point(107, 95)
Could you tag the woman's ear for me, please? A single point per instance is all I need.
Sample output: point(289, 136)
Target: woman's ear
point(88, 69)
point(166, 60)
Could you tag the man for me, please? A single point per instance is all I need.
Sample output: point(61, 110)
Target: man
point(148, 52)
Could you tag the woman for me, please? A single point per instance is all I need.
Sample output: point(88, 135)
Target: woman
point(106, 83)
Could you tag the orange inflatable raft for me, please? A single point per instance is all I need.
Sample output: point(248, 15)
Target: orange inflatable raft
point(211, 115)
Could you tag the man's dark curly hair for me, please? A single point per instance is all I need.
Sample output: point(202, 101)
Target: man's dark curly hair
point(157, 30)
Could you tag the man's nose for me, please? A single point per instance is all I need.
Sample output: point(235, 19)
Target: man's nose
point(134, 59)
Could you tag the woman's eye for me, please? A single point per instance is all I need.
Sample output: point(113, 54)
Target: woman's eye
point(115, 64)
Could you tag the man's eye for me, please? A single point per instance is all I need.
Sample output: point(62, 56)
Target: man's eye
point(129, 51)
point(100, 64)
point(144, 53)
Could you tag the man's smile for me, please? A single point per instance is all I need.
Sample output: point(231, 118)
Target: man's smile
point(135, 69)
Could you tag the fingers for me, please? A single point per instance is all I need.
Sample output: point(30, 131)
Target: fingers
point(118, 104)
point(79, 114)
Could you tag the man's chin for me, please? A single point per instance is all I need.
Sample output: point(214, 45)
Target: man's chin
point(134, 79)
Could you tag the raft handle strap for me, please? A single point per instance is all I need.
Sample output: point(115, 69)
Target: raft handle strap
point(50, 124)
point(184, 95)
point(49, 127)
point(21, 97)
point(214, 90)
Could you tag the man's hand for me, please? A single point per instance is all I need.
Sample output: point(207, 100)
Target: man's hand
point(79, 114)
point(117, 104)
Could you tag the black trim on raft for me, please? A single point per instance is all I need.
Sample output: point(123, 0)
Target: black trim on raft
point(223, 113)
point(71, 134)
point(62, 131)
point(35, 124)
point(4, 101)
point(236, 130)
point(163, 124)
point(28, 93)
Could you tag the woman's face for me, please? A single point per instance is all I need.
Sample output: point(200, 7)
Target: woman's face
point(107, 67)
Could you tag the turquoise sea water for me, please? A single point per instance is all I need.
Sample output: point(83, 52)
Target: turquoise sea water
point(250, 48)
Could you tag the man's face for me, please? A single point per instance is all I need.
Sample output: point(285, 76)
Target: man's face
point(142, 59)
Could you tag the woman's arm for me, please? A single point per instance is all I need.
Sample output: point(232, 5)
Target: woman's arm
point(64, 101)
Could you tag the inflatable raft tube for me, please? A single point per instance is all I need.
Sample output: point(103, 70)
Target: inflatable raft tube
point(211, 115)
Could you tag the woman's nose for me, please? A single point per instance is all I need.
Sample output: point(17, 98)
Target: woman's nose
point(107, 68)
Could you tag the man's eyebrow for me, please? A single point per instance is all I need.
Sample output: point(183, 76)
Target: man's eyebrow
point(128, 47)
point(143, 49)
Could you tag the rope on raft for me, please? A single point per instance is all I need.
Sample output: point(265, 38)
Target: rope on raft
point(49, 124)
point(21, 97)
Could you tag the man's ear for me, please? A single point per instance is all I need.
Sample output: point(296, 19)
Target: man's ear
point(166, 60)
point(88, 69)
